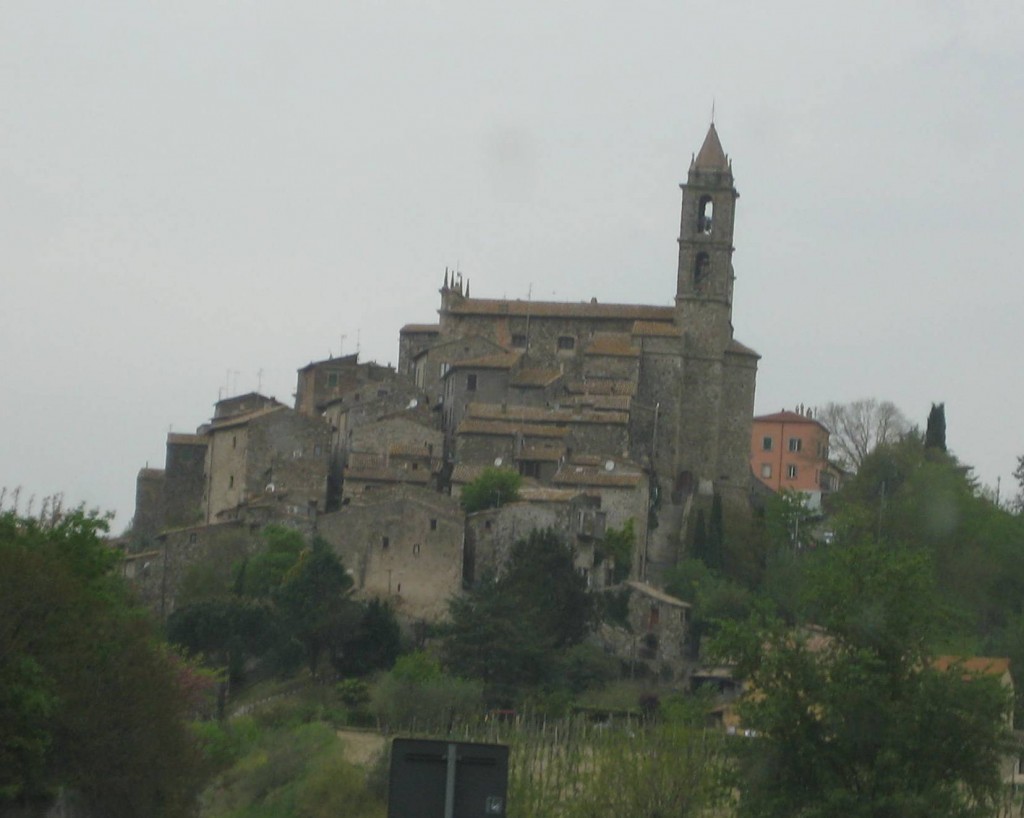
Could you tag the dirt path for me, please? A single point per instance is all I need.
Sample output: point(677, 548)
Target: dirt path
point(362, 747)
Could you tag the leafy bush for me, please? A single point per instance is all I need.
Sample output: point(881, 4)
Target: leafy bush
point(492, 489)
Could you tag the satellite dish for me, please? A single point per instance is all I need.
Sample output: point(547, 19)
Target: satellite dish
point(609, 465)
point(270, 488)
point(413, 404)
point(498, 461)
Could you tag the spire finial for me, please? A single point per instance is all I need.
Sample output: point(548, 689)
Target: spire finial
point(712, 110)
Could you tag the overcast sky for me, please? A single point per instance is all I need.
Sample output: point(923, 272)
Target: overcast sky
point(198, 198)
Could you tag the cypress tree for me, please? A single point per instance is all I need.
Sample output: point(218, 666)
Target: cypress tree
point(935, 434)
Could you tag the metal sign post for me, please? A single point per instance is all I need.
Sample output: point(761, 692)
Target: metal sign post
point(446, 779)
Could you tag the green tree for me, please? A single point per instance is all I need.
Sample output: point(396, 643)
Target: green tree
point(618, 544)
point(511, 631)
point(262, 574)
point(935, 433)
point(492, 489)
point(314, 601)
point(89, 697)
point(853, 718)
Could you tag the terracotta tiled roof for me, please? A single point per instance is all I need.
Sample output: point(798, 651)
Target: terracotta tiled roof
point(472, 426)
point(342, 361)
point(186, 440)
point(551, 454)
point(526, 378)
point(545, 494)
point(218, 424)
point(558, 309)
point(584, 476)
point(421, 328)
point(660, 329)
point(786, 416)
point(501, 360)
point(466, 473)
point(612, 344)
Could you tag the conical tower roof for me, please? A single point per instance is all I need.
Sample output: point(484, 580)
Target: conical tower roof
point(711, 156)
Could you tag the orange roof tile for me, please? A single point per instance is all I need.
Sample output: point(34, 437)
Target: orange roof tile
point(612, 344)
point(557, 309)
point(659, 329)
point(493, 427)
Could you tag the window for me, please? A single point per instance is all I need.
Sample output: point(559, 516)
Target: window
point(317, 449)
point(795, 444)
point(701, 271)
point(766, 444)
point(519, 341)
point(530, 468)
point(566, 343)
point(791, 472)
point(416, 550)
point(471, 383)
point(384, 543)
point(231, 481)
point(705, 214)
point(234, 441)
point(192, 538)
point(766, 470)
point(332, 379)
point(487, 525)
point(433, 524)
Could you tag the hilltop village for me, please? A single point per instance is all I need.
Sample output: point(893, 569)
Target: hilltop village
point(613, 414)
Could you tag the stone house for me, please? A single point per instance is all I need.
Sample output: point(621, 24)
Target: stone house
point(624, 492)
point(654, 633)
point(320, 382)
point(403, 544)
point(272, 451)
point(157, 574)
point(491, 533)
point(172, 496)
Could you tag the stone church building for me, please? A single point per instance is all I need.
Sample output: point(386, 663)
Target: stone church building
point(673, 379)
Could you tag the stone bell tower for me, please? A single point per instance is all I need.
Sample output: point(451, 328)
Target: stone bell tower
point(705, 276)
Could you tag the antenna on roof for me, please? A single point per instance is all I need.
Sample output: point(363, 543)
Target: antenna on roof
point(259, 379)
point(359, 335)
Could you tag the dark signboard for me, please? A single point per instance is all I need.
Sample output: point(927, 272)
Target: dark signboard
point(447, 779)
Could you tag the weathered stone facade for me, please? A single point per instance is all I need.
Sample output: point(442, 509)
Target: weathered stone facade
point(275, 451)
point(655, 631)
point(321, 382)
point(403, 544)
point(630, 410)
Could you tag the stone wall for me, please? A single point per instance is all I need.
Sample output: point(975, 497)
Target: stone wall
point(149, 504)
point(156, 575)
point(404, 545)
point(184, 479)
